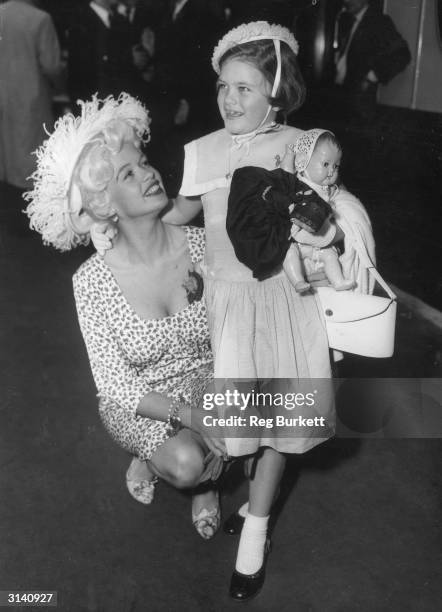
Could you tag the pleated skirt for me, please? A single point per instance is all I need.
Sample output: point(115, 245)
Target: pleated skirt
point(267, 337)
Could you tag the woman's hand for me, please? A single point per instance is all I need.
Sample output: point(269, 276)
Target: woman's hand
point(212, 435)
point(157, 406)
point(102, 235)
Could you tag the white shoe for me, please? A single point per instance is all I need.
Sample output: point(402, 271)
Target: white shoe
point(206, 521)
point(142, 490)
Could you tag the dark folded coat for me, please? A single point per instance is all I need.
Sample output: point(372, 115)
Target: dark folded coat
point(258, 219)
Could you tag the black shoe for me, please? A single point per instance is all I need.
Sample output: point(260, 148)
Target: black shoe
point(234, 524)
point(246, 586)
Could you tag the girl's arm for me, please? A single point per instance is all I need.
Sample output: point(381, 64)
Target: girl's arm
point(329, 234)
point(181, 210)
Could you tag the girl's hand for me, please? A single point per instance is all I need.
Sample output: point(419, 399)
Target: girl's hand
point(102, 235)
point(297, 226)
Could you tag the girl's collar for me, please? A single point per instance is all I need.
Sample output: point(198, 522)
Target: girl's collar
point(239, 139)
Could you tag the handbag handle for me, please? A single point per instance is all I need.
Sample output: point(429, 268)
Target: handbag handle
point(373, 271)
point(359, 247)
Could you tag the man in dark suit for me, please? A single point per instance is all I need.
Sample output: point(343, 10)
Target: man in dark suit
point(100, 52)
point(186, 37)
point(139, 15)
point(368, 48)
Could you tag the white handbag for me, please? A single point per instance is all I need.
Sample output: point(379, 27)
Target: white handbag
point(359, 323)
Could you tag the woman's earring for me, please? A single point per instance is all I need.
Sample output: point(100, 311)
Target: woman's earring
point(114, 215)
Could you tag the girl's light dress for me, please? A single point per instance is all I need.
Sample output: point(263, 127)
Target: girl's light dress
point(258, 329)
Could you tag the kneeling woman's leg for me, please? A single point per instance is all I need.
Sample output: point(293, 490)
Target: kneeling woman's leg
point(180, 460)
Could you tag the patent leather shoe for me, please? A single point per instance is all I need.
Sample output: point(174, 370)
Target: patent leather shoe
point(234, 524)
point(245, 586)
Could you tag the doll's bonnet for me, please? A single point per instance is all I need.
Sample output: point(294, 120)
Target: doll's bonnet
point(304, 147)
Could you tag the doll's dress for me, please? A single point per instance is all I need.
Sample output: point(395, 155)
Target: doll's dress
point(258, 329)
point(351, 216)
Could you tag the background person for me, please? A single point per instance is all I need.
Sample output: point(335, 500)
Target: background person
point(101, 58)
point(29, 63)
point(368, 50)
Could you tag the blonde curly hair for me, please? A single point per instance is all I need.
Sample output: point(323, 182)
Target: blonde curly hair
point(74, 167)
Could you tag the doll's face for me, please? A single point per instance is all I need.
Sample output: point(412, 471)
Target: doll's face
point(323, 167)
point(243, 97)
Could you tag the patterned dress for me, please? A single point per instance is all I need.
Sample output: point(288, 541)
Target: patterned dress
point(131, 356)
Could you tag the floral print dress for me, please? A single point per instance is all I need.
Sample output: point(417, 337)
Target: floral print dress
point(131, 356)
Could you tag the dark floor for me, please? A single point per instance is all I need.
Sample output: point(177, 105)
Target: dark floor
point(360, 529)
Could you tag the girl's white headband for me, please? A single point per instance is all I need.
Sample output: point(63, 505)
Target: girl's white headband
point(248, 32)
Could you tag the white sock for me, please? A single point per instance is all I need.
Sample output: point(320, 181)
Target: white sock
point(243, 510)
point(251, 545)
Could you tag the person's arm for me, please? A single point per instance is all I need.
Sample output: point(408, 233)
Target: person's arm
point(393, 54)
point(325, 237)
point(48, 48)
point(158, 406)
point(181, 210)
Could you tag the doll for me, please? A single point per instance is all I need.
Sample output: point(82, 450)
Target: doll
point(317, 160)
point(295, 205)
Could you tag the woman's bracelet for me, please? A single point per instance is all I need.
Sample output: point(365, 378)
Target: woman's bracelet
point(173, 423)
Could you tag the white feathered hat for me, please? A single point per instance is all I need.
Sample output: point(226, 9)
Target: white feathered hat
point(54, 199)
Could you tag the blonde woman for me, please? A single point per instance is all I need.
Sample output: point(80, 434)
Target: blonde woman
point(140, 307)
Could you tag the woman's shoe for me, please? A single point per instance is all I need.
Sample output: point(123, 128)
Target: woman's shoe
point(246, 586)
point(234, 524)
point(207, 522)
point(141, 489)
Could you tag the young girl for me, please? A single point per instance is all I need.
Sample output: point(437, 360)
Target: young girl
point(285, 201)
point(265, 329)
point(259, 329)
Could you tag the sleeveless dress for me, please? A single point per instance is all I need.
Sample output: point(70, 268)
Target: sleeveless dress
point(131, 356)
point(258, 329)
